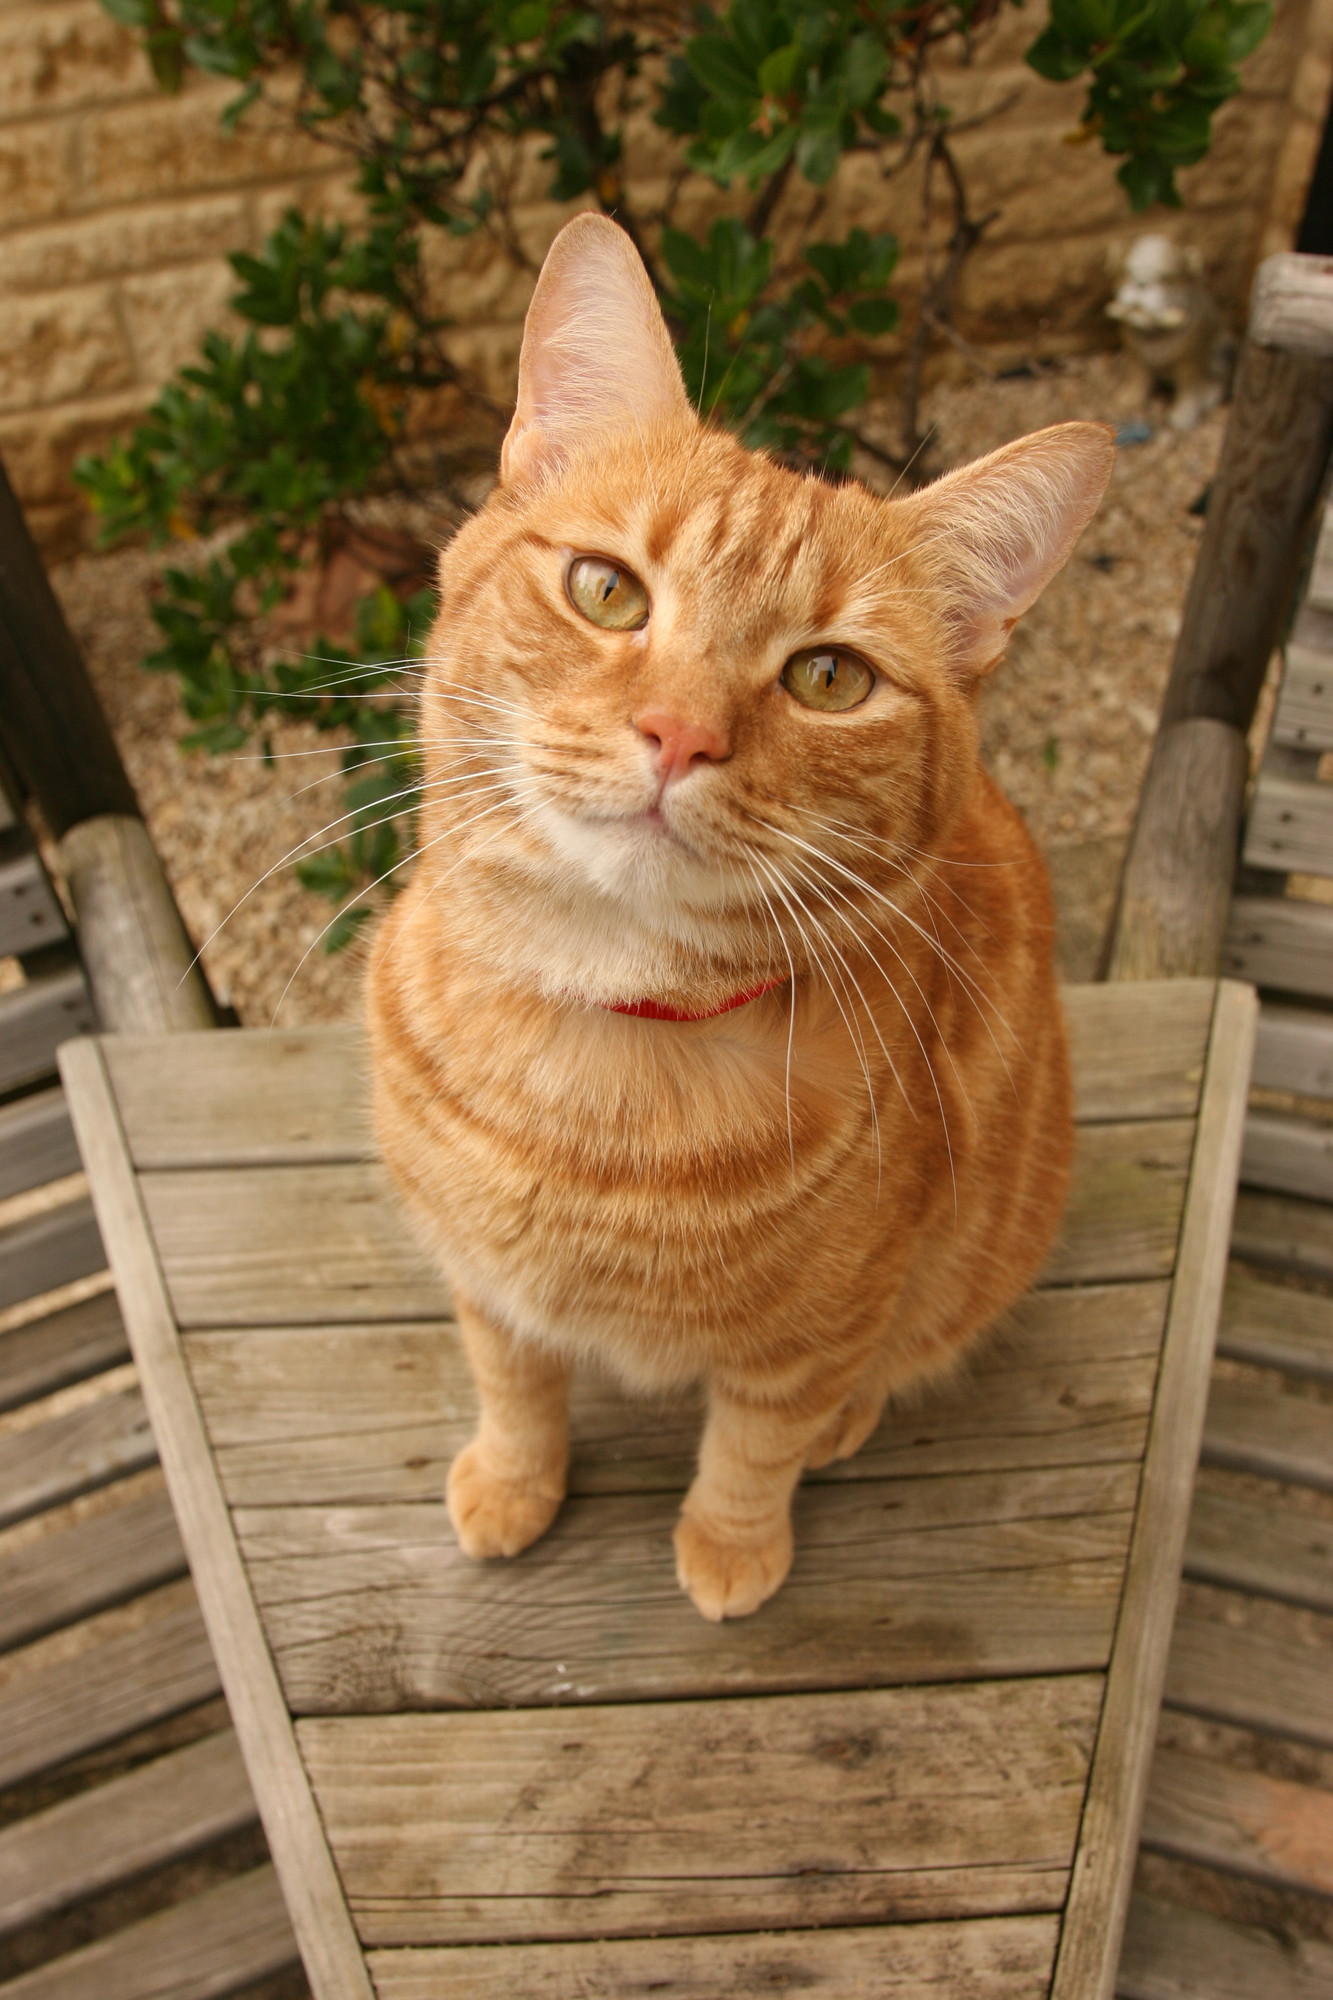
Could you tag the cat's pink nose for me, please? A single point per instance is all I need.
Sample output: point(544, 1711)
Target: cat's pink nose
point(680, 745)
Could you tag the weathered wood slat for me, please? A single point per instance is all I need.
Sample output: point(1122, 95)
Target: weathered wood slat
point(1006, 1958)
point(210, 1945)
point(36, 1142)
point(34, 1020)
point(1252, 1680)
point(1281, 943)
point(48, 1250)
point(374, 1608)
point(72, 1572)
point(1280, 1229)
point(68, 1454)
point(30, 916)
point(1256, 1427)
point(1294, 1049)
point(1108, 1043)
point(96, 1838)
point(313, 1893)
point(302, 1097)
point(1304, 716)
point(64, 1347)
point(1288, 1155)
point(1068, 1381)
point(1099, 1887)
point(1265, 1550)
point(1183, 1954)
point(816, 1809)
point(1243, 1822)
point(143, 972)
point(92, 1683)
point(1291, 819)
point(1276, 1326)
point(269, 1099)
point(262, 1246)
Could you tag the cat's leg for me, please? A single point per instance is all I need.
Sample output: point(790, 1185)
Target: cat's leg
point(850, 1426)
point(505, 1487)
point(733, 1539)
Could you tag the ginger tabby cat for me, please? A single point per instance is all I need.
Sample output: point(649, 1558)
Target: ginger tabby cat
point(716, 1037)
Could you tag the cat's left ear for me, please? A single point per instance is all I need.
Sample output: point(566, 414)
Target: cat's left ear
point(993, 534)
point(596, 353)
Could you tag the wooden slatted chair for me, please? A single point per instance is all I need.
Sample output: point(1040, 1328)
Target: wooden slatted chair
point(131, 1860)
point(1253, 1643)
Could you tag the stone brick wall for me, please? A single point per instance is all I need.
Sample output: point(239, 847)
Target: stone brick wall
point(118, 206)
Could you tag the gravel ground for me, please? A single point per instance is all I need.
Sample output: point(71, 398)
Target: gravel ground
point(1066, 722)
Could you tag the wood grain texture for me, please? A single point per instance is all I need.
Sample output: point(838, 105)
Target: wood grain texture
point(77, 1570)
point(263, 1098)
point(1291, 306)
point(375, 1608)
point(1175, 892)
point(1183, 1954)
point(1304, 717)
point(1276, 1326)
point(1244, 1822)
point(1290, 826)
point(64, 1347)
point(1256, 1427)
point(1281, 1229)
point(199, 1949)
point(1280, 943)
point(864, 1806)
point(49, 1250)
point(35, 1019)
point(310, 1884)
point(68, 1454)
point(1266, 1550)
point(1267, 485)
point(1254, 1680)
point(94, 1682)
point(1006, 1958)
point(141, 965)
point(263, 1246)
point(1288, 1155)
point(1067, 1380)
point(36, 1142)
point(1100, 1884)
point(301, 1097)
point(151, 1815)
point(1294, 1050)
point(30, 916)
point(1139, 1061)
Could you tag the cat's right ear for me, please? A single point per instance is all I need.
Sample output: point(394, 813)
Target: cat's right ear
point(596, 354)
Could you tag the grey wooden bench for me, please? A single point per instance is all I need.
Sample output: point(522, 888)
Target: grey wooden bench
point(131, 1859)
point(1236, 1807)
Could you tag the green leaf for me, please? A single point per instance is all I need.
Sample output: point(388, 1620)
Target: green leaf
point(218, 738)
point(873, 316)
point(345, 927)
point(817, 155)
point(780, 73)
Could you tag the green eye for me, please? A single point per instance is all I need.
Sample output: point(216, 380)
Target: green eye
point(607, 594)
point(827, 678)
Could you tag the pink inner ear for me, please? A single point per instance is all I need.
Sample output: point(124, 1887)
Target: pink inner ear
point(1002, 528)
point(596, 353)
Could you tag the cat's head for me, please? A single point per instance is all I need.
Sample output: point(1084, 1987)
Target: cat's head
point(676, 693)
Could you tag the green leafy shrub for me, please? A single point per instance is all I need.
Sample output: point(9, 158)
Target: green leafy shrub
point(274, 432)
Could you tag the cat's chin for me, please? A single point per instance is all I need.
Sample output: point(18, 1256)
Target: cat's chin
point(639, 861)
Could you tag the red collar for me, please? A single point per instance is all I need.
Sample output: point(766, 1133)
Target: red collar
point(652, 1010)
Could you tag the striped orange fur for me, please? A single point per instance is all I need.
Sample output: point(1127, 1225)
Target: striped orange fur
point(807, 1202)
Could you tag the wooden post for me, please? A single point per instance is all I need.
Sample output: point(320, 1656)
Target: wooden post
point(54, 732)
point(140, 963)
point(1176, 885)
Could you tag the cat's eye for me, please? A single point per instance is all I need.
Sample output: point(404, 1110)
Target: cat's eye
point(609, 594)
point(827, 677)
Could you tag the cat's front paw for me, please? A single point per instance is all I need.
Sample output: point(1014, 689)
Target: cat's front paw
point(729, 1579)
point(493, 1516)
